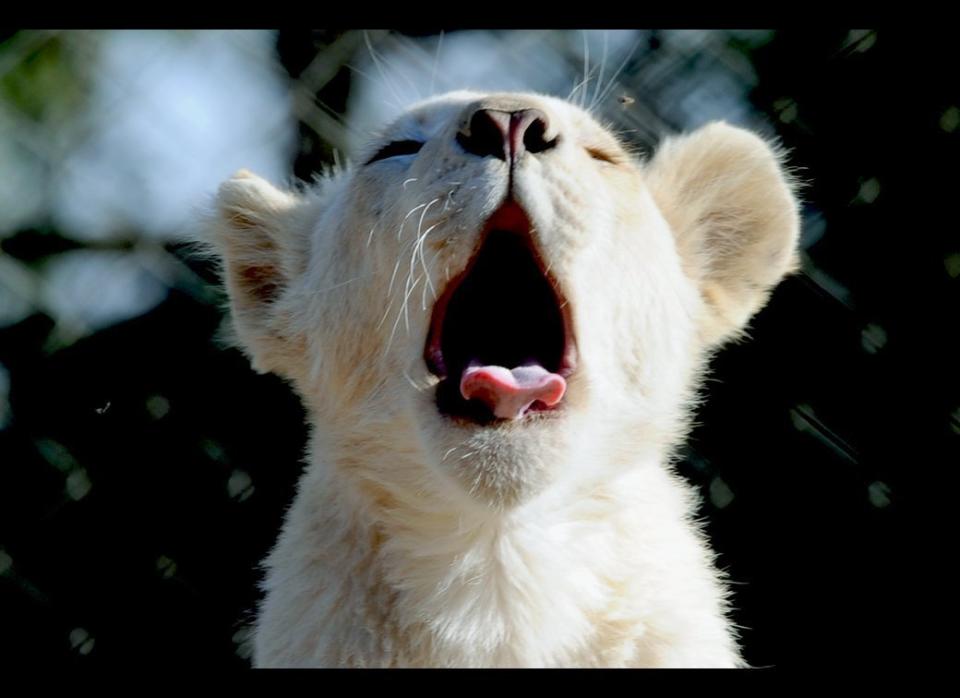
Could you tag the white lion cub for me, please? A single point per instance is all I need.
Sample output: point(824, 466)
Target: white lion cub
point(496, 323)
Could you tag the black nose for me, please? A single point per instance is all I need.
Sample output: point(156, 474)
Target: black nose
point(505, 135)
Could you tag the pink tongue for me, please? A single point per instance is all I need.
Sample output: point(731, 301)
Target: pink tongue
point(509, 393)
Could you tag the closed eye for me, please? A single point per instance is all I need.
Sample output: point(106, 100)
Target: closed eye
point(603, 155)
point(395, 148)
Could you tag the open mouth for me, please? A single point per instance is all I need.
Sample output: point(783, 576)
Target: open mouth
point(500, 337)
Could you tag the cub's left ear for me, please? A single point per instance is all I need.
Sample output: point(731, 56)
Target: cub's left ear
point(731, 207)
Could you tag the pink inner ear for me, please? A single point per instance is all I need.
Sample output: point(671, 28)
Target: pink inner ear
point(259, 281)
point(510, 393)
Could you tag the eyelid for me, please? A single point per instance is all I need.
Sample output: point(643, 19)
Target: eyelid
point(603, 155)
point(395, 148)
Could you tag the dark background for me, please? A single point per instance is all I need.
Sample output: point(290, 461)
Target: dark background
point(145, 469)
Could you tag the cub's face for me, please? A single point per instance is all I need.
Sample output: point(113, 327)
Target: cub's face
point(499, 296)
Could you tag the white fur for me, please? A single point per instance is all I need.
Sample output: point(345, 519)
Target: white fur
point(563, 539)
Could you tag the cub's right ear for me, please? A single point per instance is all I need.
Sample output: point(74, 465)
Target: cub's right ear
point(263, 248)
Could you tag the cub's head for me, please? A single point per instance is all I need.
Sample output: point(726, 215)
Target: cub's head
point(499, 297)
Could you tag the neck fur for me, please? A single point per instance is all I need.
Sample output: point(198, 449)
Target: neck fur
point(442, 584)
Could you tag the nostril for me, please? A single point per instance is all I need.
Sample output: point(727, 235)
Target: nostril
point(534, 137)
point(487, 134)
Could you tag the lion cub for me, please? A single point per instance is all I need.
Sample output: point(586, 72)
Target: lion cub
point(496, 323)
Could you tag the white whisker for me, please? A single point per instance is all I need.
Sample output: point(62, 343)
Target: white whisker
point(342, 283)
point(385, 313)
point(586, 63)
point(420, 224)
point(396, 103)
point(418, 388)
point(449, 199)
point(401, 313)
point(423, 265)
point(406, 302)
point(393, 277)
point(436, 62)
point(616, 74)
point(404, 221)
point(376, 62)
point(603, 63)
point(418, 245)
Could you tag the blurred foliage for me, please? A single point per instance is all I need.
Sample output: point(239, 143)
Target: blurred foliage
point(47, 80)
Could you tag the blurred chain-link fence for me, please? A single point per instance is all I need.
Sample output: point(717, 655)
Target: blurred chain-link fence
point(136, 493)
